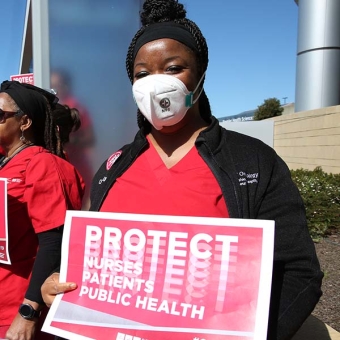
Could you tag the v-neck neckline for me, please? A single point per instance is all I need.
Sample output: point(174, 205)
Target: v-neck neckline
point(156, 160)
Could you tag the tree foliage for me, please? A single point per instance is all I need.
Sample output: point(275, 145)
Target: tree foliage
point(271, 107)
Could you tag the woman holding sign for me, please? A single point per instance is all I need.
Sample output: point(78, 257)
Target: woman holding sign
point(182, 162)
point(41, 186)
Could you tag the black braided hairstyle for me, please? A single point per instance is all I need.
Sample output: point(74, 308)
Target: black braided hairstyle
point(45, 134)
point(155, 11)
point(50, 139)
point(44, 130)
point(66, 120)
point(43, 126)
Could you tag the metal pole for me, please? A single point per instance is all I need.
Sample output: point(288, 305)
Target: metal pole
point(318, 55)
point(41, 47)
point(26, 49)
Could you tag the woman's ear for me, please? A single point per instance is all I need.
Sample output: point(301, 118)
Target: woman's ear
point(26, 122)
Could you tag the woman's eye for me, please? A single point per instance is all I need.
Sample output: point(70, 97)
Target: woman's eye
point(174, 69)
point(141, 75)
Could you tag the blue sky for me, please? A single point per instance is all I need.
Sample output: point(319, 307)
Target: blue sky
point(252, 51)
point(12, 20)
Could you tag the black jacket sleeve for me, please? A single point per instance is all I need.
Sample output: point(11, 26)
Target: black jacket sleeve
point(46, 262)
point(296, 285)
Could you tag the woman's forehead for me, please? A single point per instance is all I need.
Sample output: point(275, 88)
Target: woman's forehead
point(160, 47)
point(5, 99)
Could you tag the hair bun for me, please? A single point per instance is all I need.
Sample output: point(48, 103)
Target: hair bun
point(161, 10)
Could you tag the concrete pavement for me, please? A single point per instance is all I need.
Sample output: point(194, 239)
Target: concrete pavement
point(314, 329)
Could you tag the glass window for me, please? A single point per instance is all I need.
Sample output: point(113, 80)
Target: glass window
point(88, 45)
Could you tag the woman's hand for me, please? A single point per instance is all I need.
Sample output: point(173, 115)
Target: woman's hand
point(21, 329)
point(51, 287)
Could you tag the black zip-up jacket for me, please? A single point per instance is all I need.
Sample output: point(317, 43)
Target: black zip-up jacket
point(256, 184)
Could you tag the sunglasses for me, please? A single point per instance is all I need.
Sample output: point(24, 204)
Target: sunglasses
point(6, 114)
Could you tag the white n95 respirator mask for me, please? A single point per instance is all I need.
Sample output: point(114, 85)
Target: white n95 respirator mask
point(163, 99)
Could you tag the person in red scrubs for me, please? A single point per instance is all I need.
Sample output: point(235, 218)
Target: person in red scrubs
point(41, 186)
point(182, 162)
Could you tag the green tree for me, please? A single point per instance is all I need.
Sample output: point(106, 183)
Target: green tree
point(271, 107)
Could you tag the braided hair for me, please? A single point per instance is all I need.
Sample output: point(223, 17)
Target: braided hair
point(66, 120)
point(157, 11)
point(43, 128)
point(38, 104)
point(45, 132)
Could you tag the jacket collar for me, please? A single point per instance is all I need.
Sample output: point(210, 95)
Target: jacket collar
point(212, 136)
point(139, 143)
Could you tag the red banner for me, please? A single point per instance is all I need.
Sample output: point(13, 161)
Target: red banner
point(4, 254)
point(164, 277)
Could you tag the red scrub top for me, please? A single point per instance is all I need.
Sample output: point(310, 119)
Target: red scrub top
point(40, 188)
point(148, 187)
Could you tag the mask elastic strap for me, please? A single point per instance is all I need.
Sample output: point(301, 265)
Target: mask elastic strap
point(189, 98)
point(199, 94)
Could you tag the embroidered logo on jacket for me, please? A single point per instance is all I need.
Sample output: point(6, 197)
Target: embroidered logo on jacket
point(112, 159)
point(245, 178)
point(14, 180)
point(102, 180)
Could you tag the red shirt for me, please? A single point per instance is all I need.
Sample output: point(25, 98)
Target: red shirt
point(40, 188)
point(148, 187)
